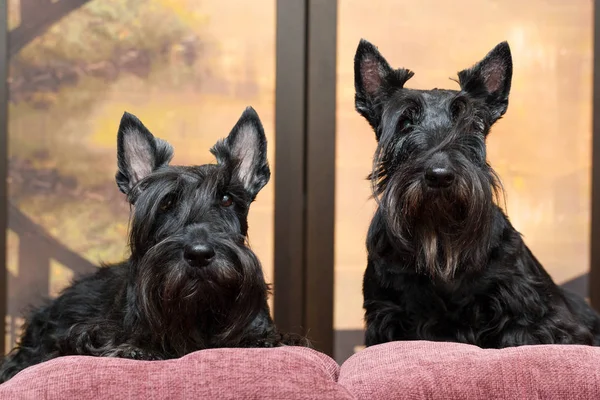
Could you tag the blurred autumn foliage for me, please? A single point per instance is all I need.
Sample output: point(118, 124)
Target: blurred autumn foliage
point(101, 39)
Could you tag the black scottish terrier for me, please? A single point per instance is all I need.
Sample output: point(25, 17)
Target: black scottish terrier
point(191, 282)
point(444, 262)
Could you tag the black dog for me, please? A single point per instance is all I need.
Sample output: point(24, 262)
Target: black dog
point(444, 262)
point(191, 282)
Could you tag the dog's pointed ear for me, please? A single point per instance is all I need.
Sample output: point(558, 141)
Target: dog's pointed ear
point(139, 153)
point(244, 152)
point(490, 79)
point(372, 77)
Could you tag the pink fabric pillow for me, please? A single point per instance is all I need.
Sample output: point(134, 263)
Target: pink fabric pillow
point(281, 373)
point(430, 370)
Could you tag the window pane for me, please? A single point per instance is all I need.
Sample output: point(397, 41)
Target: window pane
point(186, 68)
point(541, 148)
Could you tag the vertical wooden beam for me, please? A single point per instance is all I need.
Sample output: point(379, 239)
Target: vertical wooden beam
point(320, 171)
point(290, 116)
point(305, 168)
point(3, 167)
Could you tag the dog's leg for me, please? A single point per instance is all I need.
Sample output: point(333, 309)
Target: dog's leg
point(384, 323)
point(583, 312)
point(20, 359)
point(37, 345)
point(99, 340)
point(557, 330)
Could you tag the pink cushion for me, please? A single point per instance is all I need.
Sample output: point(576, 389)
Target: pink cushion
point(429, 370)
point(281, 373)
point(399, 370)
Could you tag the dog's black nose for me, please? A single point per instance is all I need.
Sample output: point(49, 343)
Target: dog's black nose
point(439, 177)
point(198, 255)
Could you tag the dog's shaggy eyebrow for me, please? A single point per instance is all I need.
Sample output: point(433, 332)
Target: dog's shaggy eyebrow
point(405, 99)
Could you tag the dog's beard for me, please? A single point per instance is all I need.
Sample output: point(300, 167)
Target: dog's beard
point(191, 307)
point(444, 230)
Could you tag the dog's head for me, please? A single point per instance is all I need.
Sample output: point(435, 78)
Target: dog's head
point(188, 231)
point(430, 172)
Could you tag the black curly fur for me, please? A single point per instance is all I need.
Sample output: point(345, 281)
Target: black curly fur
point(157, 305)
point(445, 264)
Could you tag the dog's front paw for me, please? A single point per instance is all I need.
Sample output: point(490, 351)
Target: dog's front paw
point(287, 339)
point(133, 353)
point(138, 354)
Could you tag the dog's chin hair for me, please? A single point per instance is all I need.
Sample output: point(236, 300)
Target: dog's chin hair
point(443, 229)
point(225, 295)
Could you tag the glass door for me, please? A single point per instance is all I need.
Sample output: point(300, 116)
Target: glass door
point(186, 68)
point(541, 148)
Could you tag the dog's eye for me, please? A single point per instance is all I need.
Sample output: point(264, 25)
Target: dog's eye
point(167, 203)
point(226, 201)
point(404, 124)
